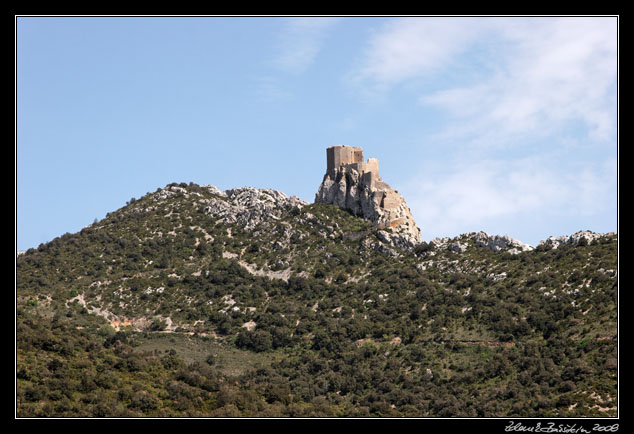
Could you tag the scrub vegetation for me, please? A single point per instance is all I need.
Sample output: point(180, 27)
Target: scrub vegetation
point(161, 309)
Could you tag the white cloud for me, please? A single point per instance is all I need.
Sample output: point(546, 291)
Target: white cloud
point(531, 105)
point(502, 78)
point(468, 196)
point(301, 40)
point(409, 47)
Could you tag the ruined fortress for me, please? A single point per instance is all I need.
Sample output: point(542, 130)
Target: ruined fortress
point(352, 157)
point(355, 185)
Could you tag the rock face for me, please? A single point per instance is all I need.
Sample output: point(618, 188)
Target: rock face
point(352, 184)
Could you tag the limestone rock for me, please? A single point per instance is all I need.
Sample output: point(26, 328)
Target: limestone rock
point(355, 185)
point(499, 243)
point(496, 243)
point(504, 243)
point(588, 236)
point(248, 206)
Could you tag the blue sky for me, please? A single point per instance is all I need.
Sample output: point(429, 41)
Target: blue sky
point(507, 125)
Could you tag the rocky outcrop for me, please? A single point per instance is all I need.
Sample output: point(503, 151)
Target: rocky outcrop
point(576, 238)
point(457, 244)
point(496, 243)
point(499, 243)
point(504, 243)
point(248, 206)
point(355, 185)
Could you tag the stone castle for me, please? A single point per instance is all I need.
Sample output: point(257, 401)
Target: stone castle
point(355, 185)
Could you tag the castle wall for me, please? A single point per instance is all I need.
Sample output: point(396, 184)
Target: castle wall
point(369, 179)
point(391, 200)
point(330, 159)
point(373, 166)
point(340, 155)
point(357, 155)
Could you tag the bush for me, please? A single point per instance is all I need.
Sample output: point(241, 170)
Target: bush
point(423, 247)
point(158, 324)
point(258, 340)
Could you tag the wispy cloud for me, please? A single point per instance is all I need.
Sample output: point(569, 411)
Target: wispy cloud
point(301, 39)
point(467, 196)
point(522, 99)
point(411, 47)
point(555, 71)
point(509, 76)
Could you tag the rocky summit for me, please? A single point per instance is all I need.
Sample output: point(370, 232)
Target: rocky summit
point(353, 184)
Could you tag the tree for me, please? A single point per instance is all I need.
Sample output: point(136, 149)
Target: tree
point(257, 340)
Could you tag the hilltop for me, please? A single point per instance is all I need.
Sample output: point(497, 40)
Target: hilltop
point(247, 302)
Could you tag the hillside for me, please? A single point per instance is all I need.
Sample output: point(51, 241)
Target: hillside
point(192, 301)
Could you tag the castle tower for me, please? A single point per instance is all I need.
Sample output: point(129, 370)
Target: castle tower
point(340, 155)
point(355, 185)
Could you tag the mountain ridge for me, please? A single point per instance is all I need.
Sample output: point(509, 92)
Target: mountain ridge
point(246, 197)
point(249, 197)
point(311, 298)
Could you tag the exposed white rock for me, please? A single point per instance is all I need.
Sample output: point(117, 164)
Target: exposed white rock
point(611, 273)
point(458, 247)
point(396, 238)
point(214, 190)
point(499, 243)
point(250, 325)
point(440, 243)
point(497, 277)
point(248, 206)
point(169, 191)
point(588, 236)
point(504, 243)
